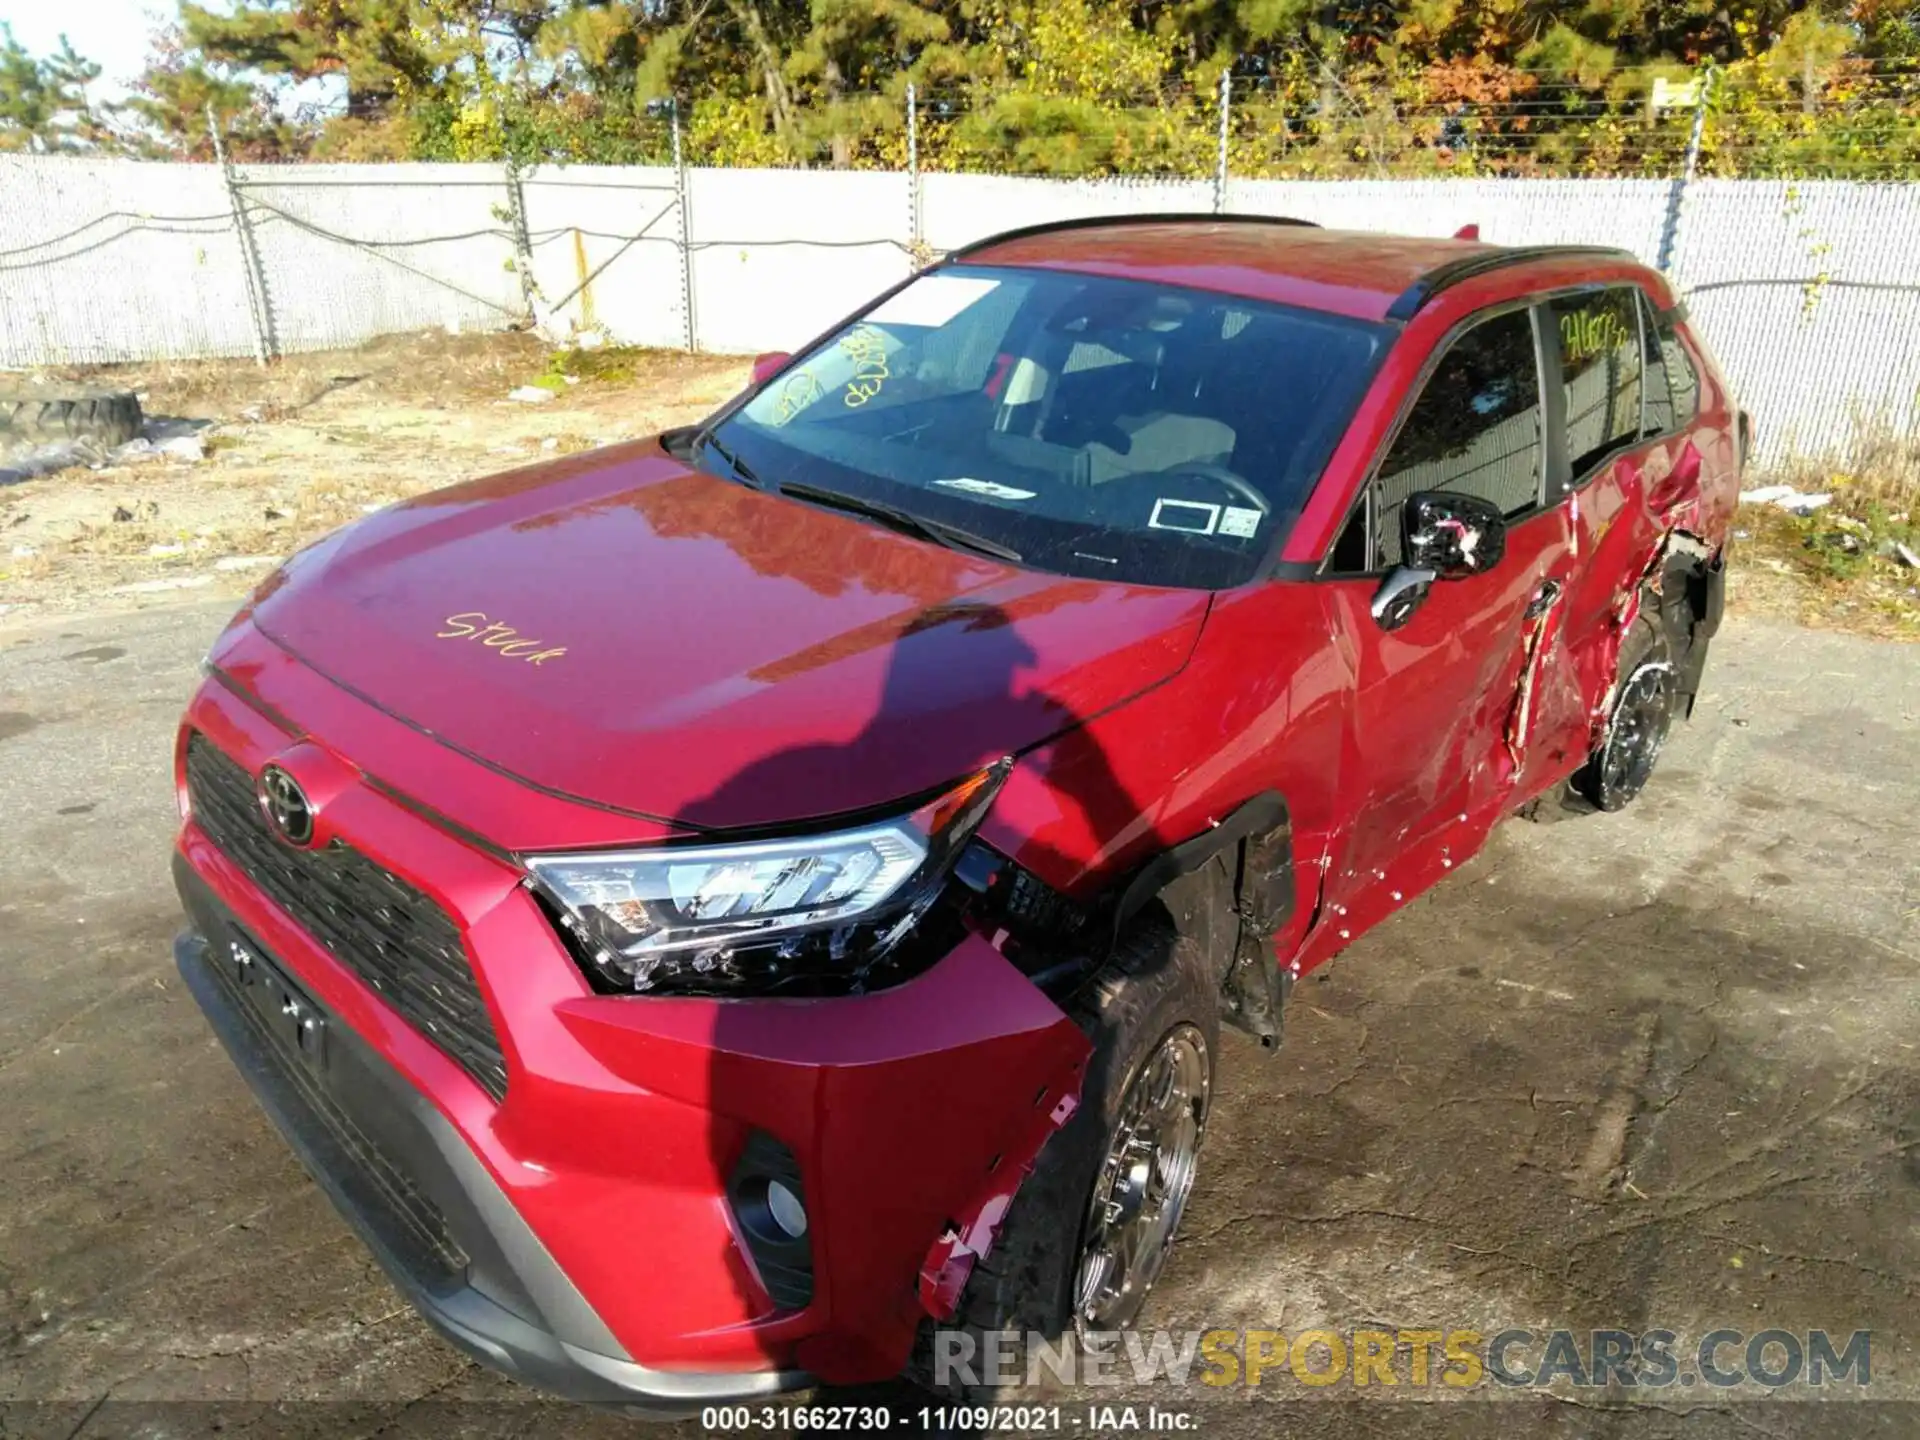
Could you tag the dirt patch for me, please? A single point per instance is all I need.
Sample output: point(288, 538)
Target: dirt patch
point(313, 442)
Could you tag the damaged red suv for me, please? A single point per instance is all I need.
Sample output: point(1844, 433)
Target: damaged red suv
point(711, 910)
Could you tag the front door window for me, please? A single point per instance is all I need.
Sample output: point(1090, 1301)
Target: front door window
point(1475, 430)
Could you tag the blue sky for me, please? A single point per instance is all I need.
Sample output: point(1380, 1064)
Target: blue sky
point(114, 34)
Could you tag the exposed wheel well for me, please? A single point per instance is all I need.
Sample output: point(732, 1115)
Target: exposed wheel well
point(1687, 598)
point(1228, 890)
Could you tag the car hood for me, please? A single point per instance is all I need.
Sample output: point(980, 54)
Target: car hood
point(621, 629)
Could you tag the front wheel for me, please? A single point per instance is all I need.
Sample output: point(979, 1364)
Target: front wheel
point(1144, 1180)
point(1090, 1230)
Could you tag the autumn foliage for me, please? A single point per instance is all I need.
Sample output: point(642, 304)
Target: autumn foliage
point(1066, 87)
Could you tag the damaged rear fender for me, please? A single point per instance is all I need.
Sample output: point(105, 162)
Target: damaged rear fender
point(1682, 591)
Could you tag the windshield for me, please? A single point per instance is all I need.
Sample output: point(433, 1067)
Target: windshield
point(1096, 427)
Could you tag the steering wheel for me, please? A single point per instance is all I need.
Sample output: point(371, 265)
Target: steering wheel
point(1242, 487)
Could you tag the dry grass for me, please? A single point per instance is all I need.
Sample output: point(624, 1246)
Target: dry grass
point(1886, 469)
point(314, 442)
point(430, 368)
point(1840, 567)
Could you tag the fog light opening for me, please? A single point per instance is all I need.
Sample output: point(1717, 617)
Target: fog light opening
point(786, 1211)
point(769, 1203)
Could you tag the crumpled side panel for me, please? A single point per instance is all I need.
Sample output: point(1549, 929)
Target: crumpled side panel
point(970, 1236)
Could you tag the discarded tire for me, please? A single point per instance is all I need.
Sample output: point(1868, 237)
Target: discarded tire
point(34, 414)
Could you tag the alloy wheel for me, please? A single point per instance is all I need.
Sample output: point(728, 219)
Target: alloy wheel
point(1641, 716)
point(1143, 1182)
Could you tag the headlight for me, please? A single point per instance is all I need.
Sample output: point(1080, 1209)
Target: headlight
point(810, 911)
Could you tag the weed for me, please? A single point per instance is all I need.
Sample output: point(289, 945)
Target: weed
point(1847, 560)
point(605, 365)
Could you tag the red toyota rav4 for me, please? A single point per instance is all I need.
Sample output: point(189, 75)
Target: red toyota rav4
point(711, 910)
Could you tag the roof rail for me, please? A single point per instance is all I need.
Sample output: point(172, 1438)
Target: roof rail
point(1150, 217)
point(1482, 262)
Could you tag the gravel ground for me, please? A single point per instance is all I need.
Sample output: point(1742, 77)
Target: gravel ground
point(1649, 1070)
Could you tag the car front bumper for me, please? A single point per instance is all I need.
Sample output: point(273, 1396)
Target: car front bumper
point(576, 1227)
point(419, 1198)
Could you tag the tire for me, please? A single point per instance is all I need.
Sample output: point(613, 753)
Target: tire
point(1563, 802)
point(36, 414)
point(1645, 696)
point(1157, 989)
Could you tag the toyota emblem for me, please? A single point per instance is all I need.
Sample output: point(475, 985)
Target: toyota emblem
point(286, 806)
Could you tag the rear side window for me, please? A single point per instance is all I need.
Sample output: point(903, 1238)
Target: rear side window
point(1672, 386)
point(1682, 382)
point(1475, 430)
point(1600, 366)
point(1657, 417)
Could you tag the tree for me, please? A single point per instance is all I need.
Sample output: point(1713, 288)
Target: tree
point(1809, 49)
point(43, 102)
point(178, 89)
point(1321, 87)
point(396, 60)
point(373, 45)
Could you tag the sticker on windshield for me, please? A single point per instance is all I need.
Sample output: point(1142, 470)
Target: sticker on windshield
point(867, 348)
point(1239, 521)
point(992, 489)
point(931, 300)
point(1191, 516)
point(797, 391)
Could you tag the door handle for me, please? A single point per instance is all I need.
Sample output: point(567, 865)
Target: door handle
point(1544, 599)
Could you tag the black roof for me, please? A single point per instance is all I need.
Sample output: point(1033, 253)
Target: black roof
point(1482, 262)
point(1145, 217)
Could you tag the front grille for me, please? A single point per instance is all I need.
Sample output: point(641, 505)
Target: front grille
point(394, 938)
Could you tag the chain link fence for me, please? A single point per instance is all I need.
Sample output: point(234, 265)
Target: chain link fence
point(1807, 288)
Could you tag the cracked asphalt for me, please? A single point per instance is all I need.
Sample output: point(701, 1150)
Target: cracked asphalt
point(1652, 1070)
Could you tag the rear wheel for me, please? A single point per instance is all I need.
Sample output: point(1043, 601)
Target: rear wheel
point(1090, 1230)
point(1645, 697)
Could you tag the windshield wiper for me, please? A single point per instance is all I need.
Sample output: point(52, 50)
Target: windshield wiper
point(906, 523)
point(703, 440)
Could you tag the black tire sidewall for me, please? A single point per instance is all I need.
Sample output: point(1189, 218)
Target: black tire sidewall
point(38, 414)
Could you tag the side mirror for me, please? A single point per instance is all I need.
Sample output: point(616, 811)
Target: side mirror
point(766, 366)
point(1453, 536)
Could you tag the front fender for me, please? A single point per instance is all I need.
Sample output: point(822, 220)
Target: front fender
point(913, 1112)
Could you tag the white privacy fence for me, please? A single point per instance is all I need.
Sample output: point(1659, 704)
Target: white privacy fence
point(1808, 291)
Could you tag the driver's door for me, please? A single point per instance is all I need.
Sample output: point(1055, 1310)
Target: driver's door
point(1435, 696)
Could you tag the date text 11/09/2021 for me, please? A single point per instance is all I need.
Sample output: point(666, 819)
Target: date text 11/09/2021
point(955, 1419)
